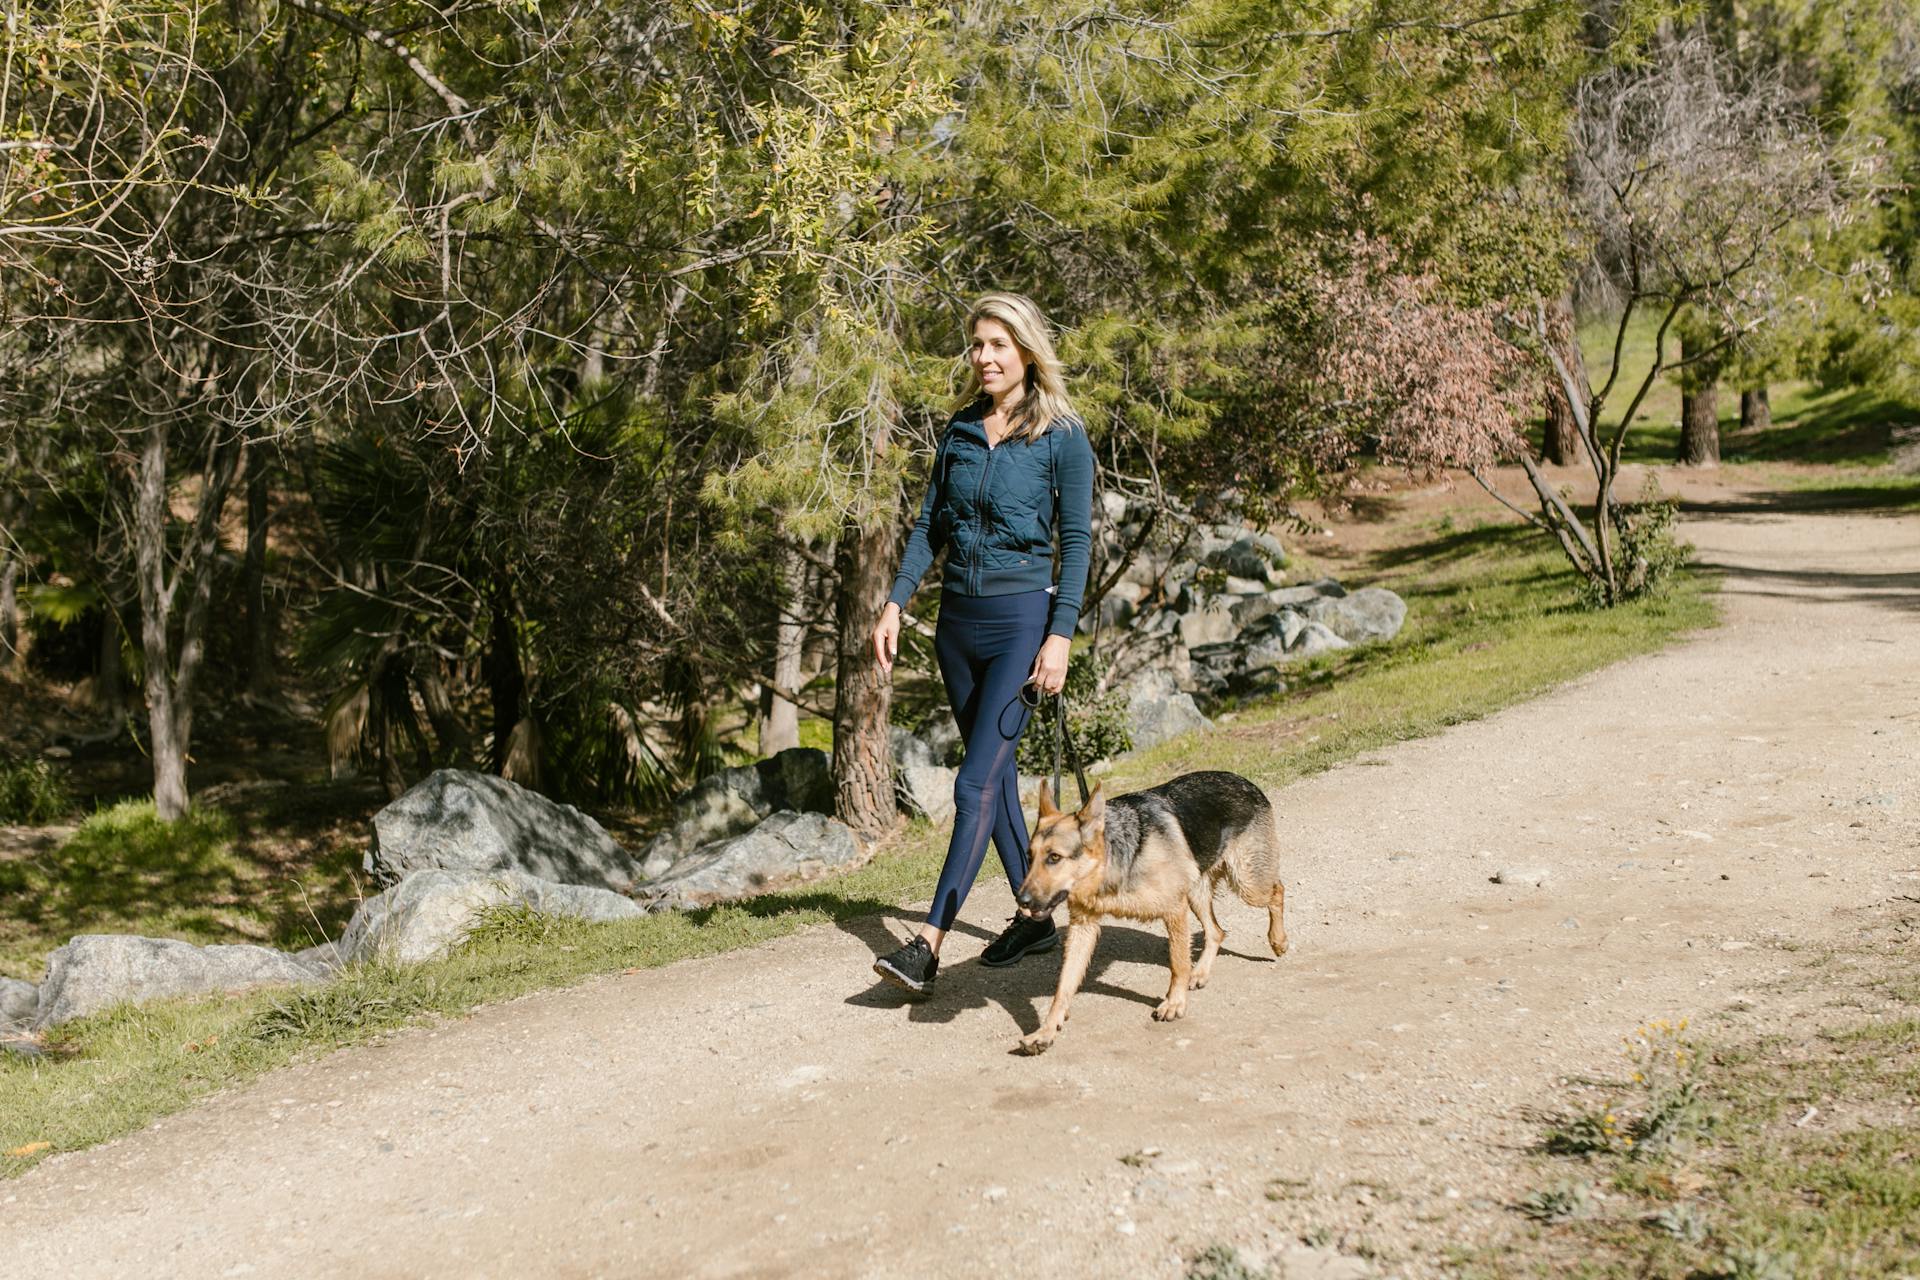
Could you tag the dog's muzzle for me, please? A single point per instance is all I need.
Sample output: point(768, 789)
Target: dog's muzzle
point(1033, 910)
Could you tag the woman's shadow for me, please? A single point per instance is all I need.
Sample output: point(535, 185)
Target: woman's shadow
point(1022, 990)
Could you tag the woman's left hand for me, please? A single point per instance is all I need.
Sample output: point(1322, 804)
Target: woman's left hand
point(1050, 665)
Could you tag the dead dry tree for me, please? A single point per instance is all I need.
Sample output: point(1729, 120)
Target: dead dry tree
point(1700, 184)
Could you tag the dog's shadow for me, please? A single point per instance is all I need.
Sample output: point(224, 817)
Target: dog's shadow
point(1022, 990)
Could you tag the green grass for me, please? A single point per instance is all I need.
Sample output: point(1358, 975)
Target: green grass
point(1811, 424)
point(125, 871)
point(1808, 1166)
point(1491, 621)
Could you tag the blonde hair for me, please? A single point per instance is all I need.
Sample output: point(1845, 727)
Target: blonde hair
point(1045, 400)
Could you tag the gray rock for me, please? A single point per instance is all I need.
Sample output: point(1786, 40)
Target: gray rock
point(1307, 592)
point(1313, 639)
point(1157, 710)
point(18, 1000)
point(786, 846)
point(732, 801)
point(908, 748)
point(942, 736)
point(96, 971)
point(1265, 653)
point(325, 960)
point(455, 820)
point(926, 790)
point(1211, 623)
point(430, 912)
point(1114, 611)
point(1113, 505)
point(1246, 586)
point(1371, 613)
point(1249, 555)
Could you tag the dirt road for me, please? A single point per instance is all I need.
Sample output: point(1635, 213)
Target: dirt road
point(768, 1113)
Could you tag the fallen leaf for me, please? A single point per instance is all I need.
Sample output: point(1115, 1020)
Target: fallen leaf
point(31, 1149)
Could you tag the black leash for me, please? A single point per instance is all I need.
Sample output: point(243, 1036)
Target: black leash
point(1062, 740)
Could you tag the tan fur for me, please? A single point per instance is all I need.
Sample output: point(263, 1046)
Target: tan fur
point(1069, 852)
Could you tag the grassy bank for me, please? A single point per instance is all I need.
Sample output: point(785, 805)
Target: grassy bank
point(1748, 1152)
point(1491, 621)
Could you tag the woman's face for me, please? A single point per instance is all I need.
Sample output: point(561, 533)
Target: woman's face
point(1002, 365)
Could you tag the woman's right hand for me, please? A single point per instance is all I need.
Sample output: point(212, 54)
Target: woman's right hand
point(886, 638)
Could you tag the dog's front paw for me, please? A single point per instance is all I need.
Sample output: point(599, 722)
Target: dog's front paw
point(1170, 1009)
point(1035, 1045)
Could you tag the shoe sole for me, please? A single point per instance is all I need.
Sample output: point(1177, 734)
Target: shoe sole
point(1047, 943)
point(900, 979)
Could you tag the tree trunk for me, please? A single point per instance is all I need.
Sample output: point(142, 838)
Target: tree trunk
point(254, 581)
point(780, 719)
point(12, 652)
point(107, 668)
point(505, 679)
point(1699, 423)
point(1561, 444)
point(1756, 410)
point(149, 550)
point(170, 675)
point(862, 761)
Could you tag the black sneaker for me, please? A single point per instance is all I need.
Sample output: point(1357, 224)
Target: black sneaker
point(1021, 938)
point(912, 966)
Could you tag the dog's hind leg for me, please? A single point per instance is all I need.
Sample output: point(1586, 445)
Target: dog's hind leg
point(1200, 898)
point(1277, 919)
point(1180, 960)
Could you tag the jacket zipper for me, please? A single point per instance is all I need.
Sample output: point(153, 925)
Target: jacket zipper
point(980, 505)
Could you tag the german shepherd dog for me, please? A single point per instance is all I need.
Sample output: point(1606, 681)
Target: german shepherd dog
point(1153, 855)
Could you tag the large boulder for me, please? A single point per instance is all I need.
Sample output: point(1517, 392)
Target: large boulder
point(428, 914)
point(1371, 613)
point(785, 846)
point(94, 972)
point(18, 1001)
point(733, 800)
point(925, 790)
point(1158, 710)
point(454, 820)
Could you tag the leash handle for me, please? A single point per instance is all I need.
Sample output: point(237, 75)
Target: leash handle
point(1062, 739)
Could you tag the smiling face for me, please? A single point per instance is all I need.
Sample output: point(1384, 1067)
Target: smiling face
point(998, 359)
point(1069, 851)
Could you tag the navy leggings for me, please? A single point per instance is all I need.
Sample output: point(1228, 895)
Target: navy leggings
point(986, 646)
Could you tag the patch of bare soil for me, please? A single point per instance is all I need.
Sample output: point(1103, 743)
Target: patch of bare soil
point(1366, 1104)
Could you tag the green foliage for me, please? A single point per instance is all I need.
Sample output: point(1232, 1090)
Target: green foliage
point(33, 791)
point(1646, 547)
point(1567, 1201)
point(1097, 721)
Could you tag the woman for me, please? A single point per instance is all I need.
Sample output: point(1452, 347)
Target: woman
point(1013, 466)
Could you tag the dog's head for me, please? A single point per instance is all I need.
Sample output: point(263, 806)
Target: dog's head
point(1069, 849)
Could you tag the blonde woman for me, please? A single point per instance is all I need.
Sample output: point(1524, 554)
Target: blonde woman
point(1012, 469)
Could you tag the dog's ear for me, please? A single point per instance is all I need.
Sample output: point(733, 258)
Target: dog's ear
point(1047, 809)
point(1094, 811)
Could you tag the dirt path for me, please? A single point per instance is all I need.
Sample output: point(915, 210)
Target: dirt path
point(765, 1113)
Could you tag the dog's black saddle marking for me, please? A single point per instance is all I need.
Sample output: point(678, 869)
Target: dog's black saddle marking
point(1209, 808)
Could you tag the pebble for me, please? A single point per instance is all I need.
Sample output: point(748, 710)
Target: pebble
point(1570, 923)
point(994, 1195)
point(1521, 875)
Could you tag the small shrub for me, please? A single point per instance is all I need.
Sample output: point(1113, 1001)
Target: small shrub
point(33, 791)
point(354, 1004)
point(1097, 721)
point(1223, 1262)
point(1682, 1222)
point(514, 924)
point(1751, 1264)
point(1646, 552)
point(1594, 1133)
point(1560, 1204)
